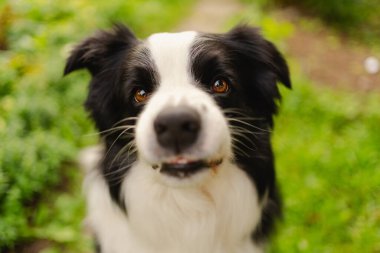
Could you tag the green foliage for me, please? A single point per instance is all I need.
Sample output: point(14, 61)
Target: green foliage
point(328, 156)
point(359, 18)
point(42, 123)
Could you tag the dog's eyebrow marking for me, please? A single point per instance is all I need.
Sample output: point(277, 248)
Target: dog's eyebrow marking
point(142, 57)
point(171, 54)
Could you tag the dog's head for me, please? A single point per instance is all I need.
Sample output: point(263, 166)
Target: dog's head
point(185, 102)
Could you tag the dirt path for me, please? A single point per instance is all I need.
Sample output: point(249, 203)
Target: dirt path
point(210, 15)
point(328, 59)
point(334, 63)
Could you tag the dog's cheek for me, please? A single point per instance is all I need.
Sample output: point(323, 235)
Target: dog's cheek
point(146, 141)
point(217, 138)
point(145, 138)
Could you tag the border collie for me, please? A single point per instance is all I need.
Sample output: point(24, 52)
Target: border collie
point(185, 122)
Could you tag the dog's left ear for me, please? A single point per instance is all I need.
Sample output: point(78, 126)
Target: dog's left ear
point(95, 52)
point(254, 46)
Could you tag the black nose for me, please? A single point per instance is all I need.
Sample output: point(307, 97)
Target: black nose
point(177, 128)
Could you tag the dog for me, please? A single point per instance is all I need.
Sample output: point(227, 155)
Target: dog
point(185, 119)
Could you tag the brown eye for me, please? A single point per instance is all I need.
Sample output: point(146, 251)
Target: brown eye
point(220, 86)
point(141, 95)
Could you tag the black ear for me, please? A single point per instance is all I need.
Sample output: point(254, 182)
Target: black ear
point(261, 50)
point(94, 52)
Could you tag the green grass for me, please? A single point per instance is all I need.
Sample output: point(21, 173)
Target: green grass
point(327, 144)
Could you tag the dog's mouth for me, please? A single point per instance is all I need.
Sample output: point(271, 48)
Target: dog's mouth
point(183, 168)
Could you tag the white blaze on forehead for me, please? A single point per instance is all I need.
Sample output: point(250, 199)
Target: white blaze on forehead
point(171, 54)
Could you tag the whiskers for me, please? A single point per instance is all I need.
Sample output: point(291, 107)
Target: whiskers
point(121, 148)
point(244, 130)
point(122, 161)
point(118, 126)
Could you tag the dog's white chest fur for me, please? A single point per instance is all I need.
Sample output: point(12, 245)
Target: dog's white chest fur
point(216, 217)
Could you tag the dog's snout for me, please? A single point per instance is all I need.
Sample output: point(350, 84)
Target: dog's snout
point(177, 128)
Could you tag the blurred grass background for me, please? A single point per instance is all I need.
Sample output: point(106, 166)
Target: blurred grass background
point(327, 140)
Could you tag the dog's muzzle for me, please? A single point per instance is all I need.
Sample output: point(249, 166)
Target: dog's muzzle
point(177, 130)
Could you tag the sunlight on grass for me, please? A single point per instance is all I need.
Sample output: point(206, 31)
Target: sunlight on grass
point(328, 159)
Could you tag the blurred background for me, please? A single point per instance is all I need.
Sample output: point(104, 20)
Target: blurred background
point(326, 139)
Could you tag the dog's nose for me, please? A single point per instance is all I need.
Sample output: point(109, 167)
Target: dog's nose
point(177, 128)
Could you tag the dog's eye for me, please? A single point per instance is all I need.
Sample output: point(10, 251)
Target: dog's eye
point(141, 95)
point(220, 86)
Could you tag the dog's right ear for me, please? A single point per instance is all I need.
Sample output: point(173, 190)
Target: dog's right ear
point(94, 53)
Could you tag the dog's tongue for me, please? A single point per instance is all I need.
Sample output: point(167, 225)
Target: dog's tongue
point(180, 160)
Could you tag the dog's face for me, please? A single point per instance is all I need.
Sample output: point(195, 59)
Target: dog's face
point(181, 131)
point(184, 111)
point(181, 103)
